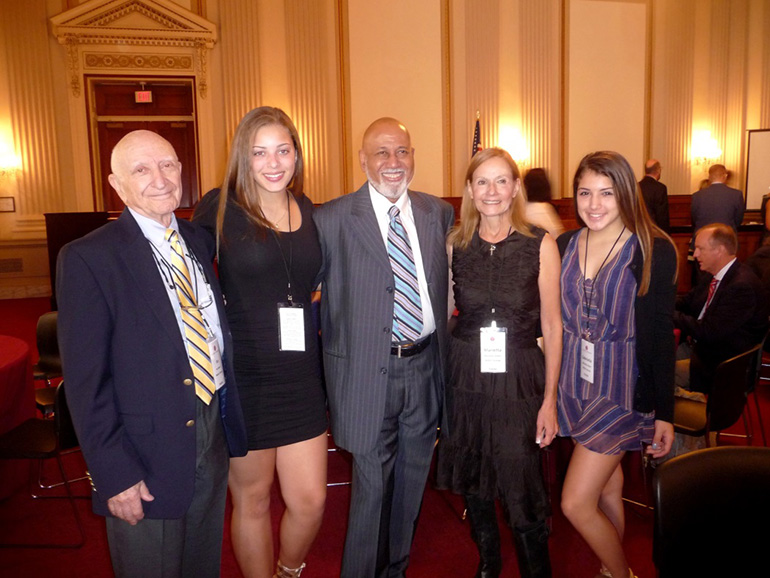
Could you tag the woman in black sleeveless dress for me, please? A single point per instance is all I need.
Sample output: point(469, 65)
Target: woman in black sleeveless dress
point(501, 400)
point(268, 255)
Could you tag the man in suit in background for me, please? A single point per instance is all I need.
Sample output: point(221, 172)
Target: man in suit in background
point(141, 332)
point(717, 203)
point(384, 344)
point(721, 317)
point(655, 194)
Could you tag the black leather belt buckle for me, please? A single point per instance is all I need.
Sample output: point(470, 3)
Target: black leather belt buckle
point(410, 349)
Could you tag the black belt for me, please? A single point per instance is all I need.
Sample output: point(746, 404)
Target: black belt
point(410, 349)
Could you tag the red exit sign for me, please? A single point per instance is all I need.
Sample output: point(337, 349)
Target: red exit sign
point(143, 96)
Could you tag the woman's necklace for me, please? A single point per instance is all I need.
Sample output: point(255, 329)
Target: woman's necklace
point(498, 238)
point(281, 218)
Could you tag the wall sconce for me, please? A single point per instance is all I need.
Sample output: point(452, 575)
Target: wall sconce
point(512, 140)
point(705, 150)
point(10, 163)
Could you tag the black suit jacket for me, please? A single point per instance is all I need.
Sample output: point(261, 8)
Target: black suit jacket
point(735, 321)
point(655, 195)
point(126, 366)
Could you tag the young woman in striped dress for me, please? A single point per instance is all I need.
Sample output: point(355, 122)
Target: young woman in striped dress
point(616, 389)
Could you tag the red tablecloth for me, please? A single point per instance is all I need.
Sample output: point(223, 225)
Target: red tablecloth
point(17, 395)
point(17, 402)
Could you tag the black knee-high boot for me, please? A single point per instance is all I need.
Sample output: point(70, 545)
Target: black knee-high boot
point(484, 531)
point(532, 550)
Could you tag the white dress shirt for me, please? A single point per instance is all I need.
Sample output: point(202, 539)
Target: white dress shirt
point(718, 277)
point(155, 233)
point(381, 206)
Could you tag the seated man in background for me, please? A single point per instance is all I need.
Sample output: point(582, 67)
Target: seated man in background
point(722, 316)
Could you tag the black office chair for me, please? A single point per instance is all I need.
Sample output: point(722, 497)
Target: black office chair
point(40, 439)
point(48, 366)
point(764, 364)
point(726, 403)
point(711, 512)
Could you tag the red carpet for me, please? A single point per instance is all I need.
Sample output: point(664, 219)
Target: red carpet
point(442, 546)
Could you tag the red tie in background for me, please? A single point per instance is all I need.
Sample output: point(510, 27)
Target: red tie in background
point(712, 288)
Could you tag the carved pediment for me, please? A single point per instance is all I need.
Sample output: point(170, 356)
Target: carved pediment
point(138, 22)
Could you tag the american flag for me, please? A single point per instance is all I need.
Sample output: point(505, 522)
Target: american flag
point(476, 139)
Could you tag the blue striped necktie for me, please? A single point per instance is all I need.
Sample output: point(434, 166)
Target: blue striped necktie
point(195, 330)
point(407, 306)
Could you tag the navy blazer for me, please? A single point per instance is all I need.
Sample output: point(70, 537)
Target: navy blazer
point(357, 307)
point(126, 368)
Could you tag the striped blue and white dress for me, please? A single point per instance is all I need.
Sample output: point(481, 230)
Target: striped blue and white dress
point(600, 415)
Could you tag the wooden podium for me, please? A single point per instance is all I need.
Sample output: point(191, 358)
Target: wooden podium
point(61, 228)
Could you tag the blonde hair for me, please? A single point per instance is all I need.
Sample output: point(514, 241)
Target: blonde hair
point(462, 233)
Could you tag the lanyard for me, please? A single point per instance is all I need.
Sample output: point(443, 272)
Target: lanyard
point(588, 297)
point(286, 265)
point(492, 249)
point(166, 270)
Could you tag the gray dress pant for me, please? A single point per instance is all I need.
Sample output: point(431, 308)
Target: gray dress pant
point(190, 546)
point(388, 482)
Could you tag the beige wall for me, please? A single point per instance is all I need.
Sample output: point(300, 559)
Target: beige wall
point(606, 80)
point(394, 51)
point(550, 80)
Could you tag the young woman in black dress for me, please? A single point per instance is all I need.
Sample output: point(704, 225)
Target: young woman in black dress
point(268, 255)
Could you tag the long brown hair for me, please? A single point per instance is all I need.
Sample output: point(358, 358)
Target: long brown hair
point(633, 212)
point(239, 183)
point(463, 232)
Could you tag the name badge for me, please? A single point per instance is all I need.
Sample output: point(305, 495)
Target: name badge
point(291, 327)
point(493, 349)
point(216, 361)
point(587, 360)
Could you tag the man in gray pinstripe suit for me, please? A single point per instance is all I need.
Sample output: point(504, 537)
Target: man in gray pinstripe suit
point(385, 396)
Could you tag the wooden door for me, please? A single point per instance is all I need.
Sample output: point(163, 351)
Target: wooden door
point(171, 114)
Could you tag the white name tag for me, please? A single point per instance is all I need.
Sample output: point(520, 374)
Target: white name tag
point(587, 360)
point(291, 320)
point(493, 349)
point(216, 361)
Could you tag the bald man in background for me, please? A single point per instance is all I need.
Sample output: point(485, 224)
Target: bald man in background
point(717, 203)
point(655, 194)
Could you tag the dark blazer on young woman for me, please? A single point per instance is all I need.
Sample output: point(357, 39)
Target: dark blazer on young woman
point(655, 343)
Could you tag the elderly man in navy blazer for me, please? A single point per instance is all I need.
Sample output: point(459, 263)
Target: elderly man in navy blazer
point(144, 346)
point(384, 346)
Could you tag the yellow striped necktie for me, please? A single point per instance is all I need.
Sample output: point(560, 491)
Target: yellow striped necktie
point(194, 328)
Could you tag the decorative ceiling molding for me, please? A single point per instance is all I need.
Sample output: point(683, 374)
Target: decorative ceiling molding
point(144, 23)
